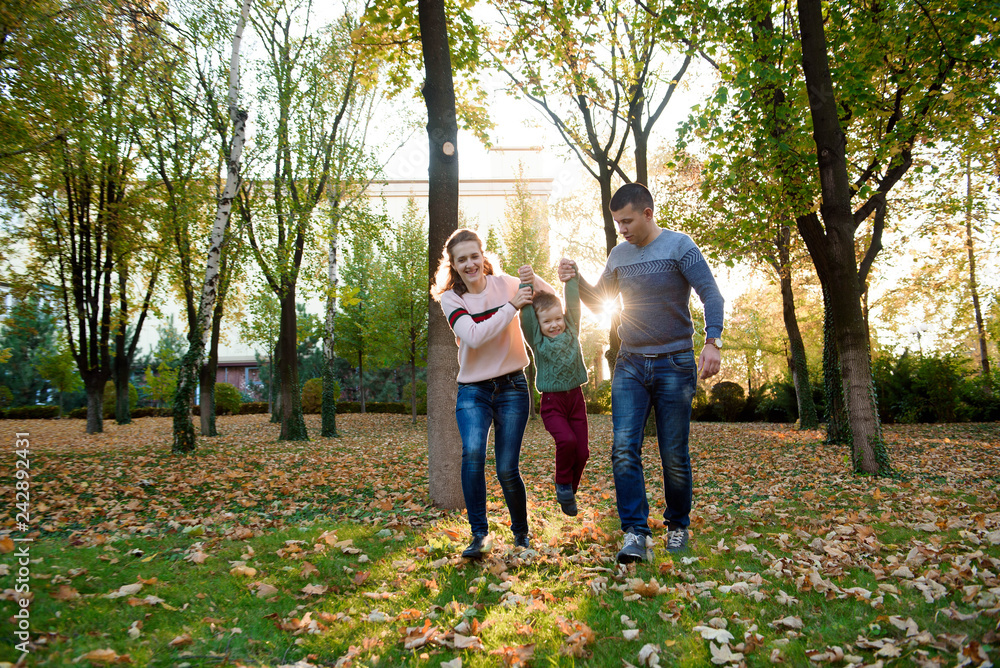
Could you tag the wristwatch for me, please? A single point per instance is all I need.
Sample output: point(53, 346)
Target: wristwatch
point(715, 342)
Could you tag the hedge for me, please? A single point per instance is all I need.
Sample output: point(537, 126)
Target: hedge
point(31, 413)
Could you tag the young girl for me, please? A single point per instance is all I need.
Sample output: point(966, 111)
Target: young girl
point(482, 309)
point(554, 338)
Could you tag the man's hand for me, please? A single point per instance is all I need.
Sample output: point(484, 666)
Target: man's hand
point(567, 269)
point(526, 274)
point(710, 361)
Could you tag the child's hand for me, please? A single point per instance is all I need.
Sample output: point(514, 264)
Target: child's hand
point(526, 274)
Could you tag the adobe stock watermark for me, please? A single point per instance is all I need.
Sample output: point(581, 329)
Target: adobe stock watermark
point(21, 542)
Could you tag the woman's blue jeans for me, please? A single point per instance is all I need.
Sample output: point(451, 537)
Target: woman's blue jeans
point(502, 403)
point(665, 384)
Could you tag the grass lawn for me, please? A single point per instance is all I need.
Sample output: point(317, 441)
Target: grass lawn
point(254, 552)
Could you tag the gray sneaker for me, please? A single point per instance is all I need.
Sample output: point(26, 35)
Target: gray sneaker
point(634, 549)
point(677, 540)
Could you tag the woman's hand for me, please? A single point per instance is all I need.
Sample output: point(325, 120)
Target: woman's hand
point(521, 298)
point(526, 274)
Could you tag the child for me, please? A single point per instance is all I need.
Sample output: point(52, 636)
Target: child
point(554, 339)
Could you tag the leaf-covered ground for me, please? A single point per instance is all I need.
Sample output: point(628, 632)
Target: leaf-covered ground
point(260, 553)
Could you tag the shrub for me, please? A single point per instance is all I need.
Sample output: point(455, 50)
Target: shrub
point(110, 396)
point(227, 399)
point(728, 400)
point(777, 403)
point(78, 413)
point(924, 389)
point(32, 413)
point(421, 396)
point(600, 397)
point(596, 408)
point(312, 396)
point(349, 407)
point(149, 411)
point(6, 396)
point(253, 407)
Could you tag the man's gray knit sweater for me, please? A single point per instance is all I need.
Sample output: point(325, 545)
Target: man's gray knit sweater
point(655, 283)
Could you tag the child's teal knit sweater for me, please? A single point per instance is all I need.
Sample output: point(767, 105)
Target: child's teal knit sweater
point(558, 359)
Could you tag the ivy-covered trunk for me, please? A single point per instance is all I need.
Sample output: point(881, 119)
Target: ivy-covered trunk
point(293, 424)
point(833, 388)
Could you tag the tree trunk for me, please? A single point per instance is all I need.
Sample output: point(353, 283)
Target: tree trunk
point(800, 370)
point(444, 444)
point(361, 380)
point(329, 406)
point(413, 382)
point(94, 384)
point(836, 417)
point(211, 367)
point(275, 385)
point(833, 250)
point(984, 358)
point(293, 424)
point(187, 377)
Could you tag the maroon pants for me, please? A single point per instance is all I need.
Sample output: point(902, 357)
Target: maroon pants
point(564, 415)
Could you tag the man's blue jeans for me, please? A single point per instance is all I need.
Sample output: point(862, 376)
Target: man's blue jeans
point(665, 384)
point(500, 402)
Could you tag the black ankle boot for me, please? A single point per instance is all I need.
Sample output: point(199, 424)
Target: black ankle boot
point(475, 549)
point(521, 540)
point(566, 499)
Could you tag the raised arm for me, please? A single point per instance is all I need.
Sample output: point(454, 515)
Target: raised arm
point(594, 296)
point(573, 304)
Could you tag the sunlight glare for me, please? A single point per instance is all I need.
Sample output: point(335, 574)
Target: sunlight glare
point(611, 307)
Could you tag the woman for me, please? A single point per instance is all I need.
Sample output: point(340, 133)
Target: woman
point(482, 309)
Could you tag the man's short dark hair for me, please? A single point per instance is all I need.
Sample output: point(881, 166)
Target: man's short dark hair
point(543, 301)
point(634, 194)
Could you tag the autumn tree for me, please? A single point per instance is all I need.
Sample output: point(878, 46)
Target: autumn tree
point(357, 319)
point(75, 83)
point(602, 73)
point(398, 326)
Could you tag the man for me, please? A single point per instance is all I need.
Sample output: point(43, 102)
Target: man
point(653, 273)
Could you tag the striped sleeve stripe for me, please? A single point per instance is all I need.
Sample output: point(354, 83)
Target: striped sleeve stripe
point(485, 315)
point(455, 315)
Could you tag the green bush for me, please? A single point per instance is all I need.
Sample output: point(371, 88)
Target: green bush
point(148, 411)
point(777, 403)
point(110, 395)
point(6, 396)
point(599, 398)
point(253, 407)
point(78, 413)
point(32, 413)
point(312, 396)
point(373, 407)
point(929, 388)
point(227, 399)
point(727, 400)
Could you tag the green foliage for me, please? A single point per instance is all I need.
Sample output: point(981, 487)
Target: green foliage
point(253, 407)
point(30, 330)
point(32, 413)
point(373, 407)
point(598, 399)
point(312, 395)
point(162, 385)
point(227, 399)
point(932, 388)
point(110, 395)
point(728, 399)
point(6, 397)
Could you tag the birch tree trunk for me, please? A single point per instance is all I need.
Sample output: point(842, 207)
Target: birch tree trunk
point(184, 437)
point(329, 407)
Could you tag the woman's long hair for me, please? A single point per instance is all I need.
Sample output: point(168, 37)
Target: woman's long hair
point(446, 277)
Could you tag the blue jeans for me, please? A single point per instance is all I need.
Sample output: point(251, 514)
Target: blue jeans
point(666, 385)
point(500, 402)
